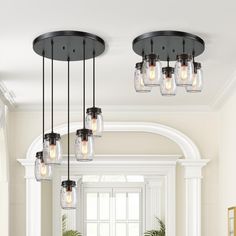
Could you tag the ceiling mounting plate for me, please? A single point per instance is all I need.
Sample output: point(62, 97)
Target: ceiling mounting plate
point(168, 44)
point(68, 44)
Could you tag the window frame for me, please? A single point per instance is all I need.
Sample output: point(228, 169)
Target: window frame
point(112, 187)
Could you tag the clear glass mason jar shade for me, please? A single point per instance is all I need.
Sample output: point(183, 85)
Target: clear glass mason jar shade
point(68, 195)
point(94, 121)
point(197, 81)
point(184, 70)
point(41, 170)
point(152, 69)
point(84, 145)
point(139, 79)
point(52, 151)
point(168, 84)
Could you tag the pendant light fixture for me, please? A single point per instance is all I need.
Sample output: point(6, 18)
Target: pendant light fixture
point(52, 152)
point(197, 80)
point(94, 119)
point(168, 85)
point(152, 69)
point(68, 187)
point(84, 143)
point(184, 68)
point(139, 79)
point(68, 46)
point(41, 170)
point(180, 47)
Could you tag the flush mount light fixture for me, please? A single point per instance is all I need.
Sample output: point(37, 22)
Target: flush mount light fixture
point(41, 170)
point(158, 46)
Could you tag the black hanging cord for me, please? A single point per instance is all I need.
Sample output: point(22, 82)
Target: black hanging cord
point(84, 84)
point(52, 87)
point(43, 90)
point(68, 116)
point(168, 61)
point(94, 79)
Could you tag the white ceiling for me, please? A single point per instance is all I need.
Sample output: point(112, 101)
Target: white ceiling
point(118, 23)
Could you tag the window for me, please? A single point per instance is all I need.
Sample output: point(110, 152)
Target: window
point(113, 211)
point(113, 178)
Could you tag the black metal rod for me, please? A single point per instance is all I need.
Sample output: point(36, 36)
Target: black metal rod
point(143, 56)
point(168, 61)
point(193, 56)
point(94, 79)
point(68, 116)
point(151, 46)
point(183, 46)
point(84, 87)
point(43, 94)
point(52, 87)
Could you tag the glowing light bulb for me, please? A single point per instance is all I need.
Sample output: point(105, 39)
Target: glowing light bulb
point(52, 151)
point(152, 73)
point(194, 84)
point(69, 197)
point(94, 124)
point(84, 147)
point(43, 169)
point(168, 84)
point(184, 72)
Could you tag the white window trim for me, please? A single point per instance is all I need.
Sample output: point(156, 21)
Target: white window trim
point(113, 188)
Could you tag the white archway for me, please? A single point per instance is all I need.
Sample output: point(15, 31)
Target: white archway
point(187, 146)
point(192, 164)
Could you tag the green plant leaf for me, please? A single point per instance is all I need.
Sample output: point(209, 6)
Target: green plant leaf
point(72, 233)
point(160, 232)
point(68, 232)
point(64, 223)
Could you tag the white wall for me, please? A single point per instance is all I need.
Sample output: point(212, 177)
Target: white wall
point(201, 127)
point(4, 175)
point(227, 161)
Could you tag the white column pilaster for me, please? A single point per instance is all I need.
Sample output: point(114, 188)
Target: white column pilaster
point(33, 200)
point(155, 200)
point(193, 178)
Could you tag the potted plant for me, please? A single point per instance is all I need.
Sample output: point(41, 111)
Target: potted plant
point(160, 232)
point(68, 232)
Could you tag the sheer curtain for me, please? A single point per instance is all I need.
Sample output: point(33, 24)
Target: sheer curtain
point(4, 195)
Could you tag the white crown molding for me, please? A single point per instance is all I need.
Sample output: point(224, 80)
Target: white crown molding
point(7, 97)
point(121, 108)
point(221, 97)
point(116, 159)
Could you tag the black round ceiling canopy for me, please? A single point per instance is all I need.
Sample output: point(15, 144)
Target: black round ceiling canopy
point(68, 44)
point(168, 44)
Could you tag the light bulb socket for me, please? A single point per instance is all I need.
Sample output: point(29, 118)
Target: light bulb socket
point(52, 138)
point(39, 155)
point(168, 71)
point(151, 59)
point(68, 184)
point(184, 59)
point(94, 112)
point(84, 133)
point(139, 65)
point(197, 66)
